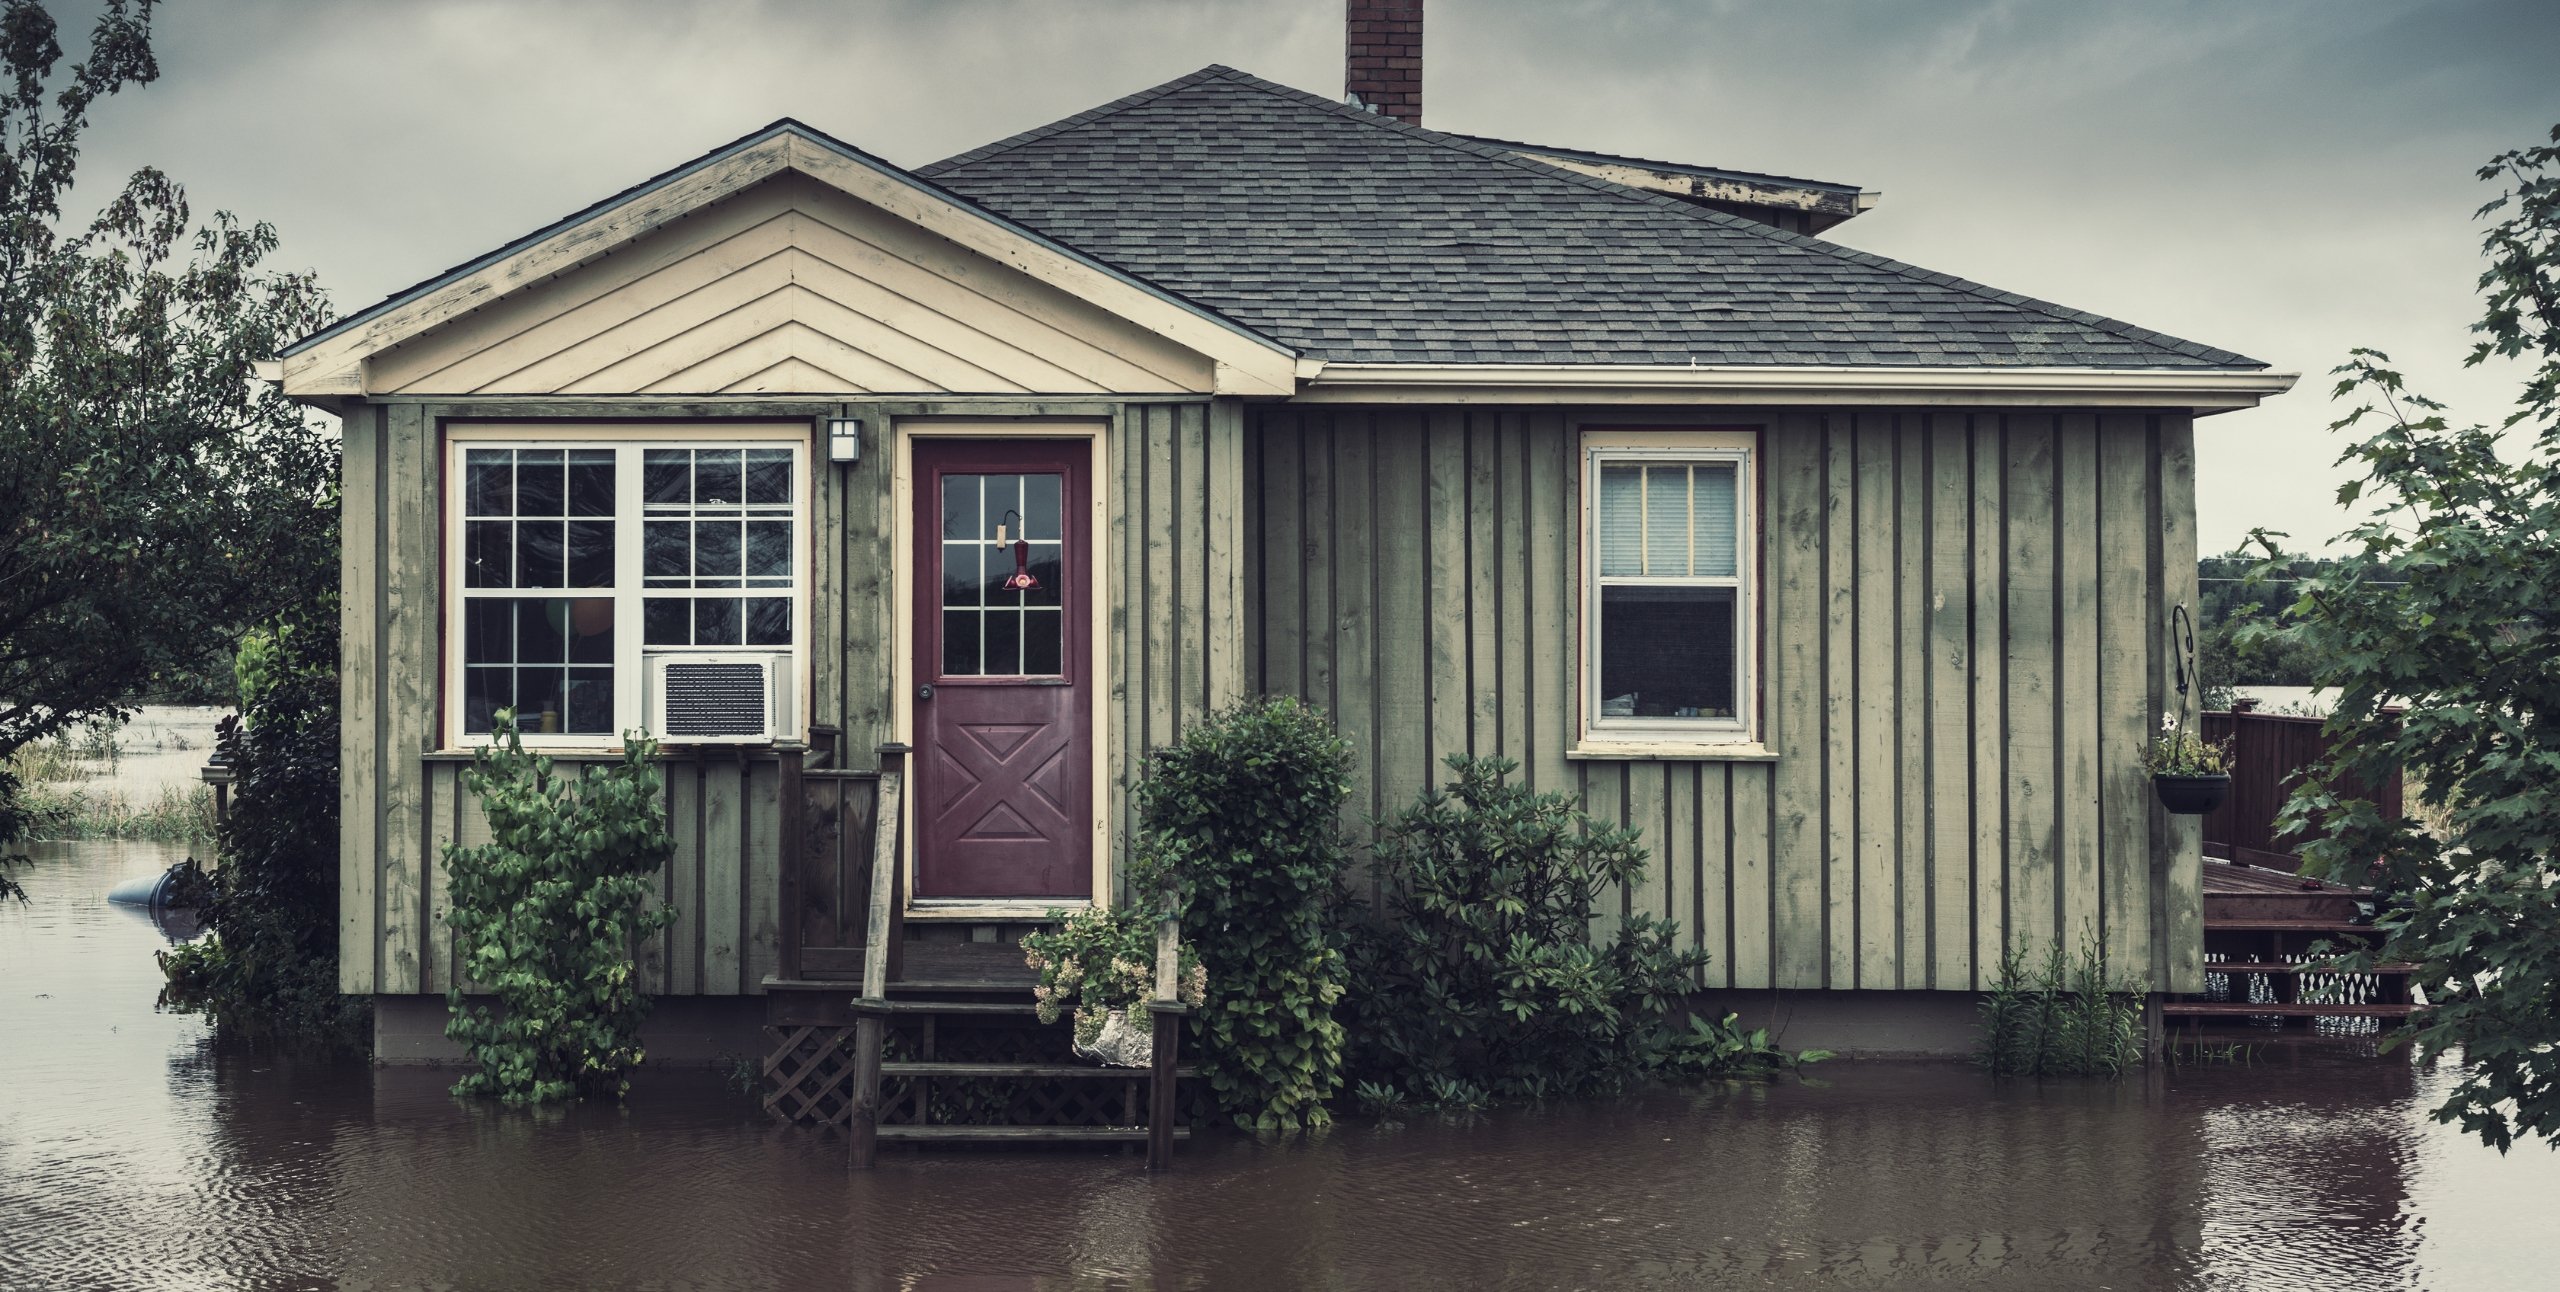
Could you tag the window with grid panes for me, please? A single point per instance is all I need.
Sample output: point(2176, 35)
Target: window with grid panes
point(1667, 618)
point(576, 560)
point(988, 629)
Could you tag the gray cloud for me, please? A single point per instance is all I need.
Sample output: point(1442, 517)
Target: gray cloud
point(2287, 178)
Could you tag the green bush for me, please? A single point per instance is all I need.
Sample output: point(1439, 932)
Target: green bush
point(1483, 983)
point(1239, 817)
point(268, 966)
point(2060, 1016)
point(546, 915)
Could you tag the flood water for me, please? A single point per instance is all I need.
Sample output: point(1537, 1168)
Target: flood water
point(134, 1153)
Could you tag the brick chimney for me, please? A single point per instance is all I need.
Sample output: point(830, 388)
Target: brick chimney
point(1382, 64)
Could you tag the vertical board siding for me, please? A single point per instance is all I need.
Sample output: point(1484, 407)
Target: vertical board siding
point(1174, 644)
point(1958, 651)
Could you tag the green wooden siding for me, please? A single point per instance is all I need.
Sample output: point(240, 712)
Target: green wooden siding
point(1174, 641)
point(1961, 615)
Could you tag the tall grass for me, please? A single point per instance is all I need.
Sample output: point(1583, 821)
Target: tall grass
point(2060, 1015)
point(59, 800)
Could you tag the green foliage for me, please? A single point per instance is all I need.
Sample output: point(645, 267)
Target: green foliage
point(1096, 961)
point(2179, 752)
point(2238, 598)
point(268, 966)
point(2060, 1016)
point(1239, 817)
point(157, 496)
point(2443, 605)
point(546, 915)
point(1483, 982)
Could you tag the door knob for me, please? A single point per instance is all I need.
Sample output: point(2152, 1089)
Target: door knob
point(925, 692)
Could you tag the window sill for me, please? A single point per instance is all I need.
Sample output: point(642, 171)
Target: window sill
point(1657, 751)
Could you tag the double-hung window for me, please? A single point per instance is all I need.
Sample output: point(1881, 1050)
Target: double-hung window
point(575, 553)
point(1667, 619)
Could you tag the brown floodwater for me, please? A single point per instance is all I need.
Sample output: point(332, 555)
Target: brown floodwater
point(136, 1153)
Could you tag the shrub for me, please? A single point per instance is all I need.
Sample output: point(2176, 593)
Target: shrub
point(1239, 818)
point(1483, 982)
point(2060, 1017)
point(269, 965)
point(546, 914)
point(1097, 961)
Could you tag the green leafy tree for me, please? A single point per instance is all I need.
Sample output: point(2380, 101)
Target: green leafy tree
point(2445, 604)
point(157, 498)
point(269, 968)
point(547, 914)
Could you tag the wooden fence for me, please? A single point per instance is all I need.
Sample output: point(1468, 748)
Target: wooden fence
point(2268, 753)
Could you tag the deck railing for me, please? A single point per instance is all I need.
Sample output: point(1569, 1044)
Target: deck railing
point(2268, 754)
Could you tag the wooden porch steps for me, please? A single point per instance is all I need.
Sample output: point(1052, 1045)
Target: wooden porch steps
point(2263, 924)
point(1025, 1134)
point(1023, 1071)
point(2286, 1009)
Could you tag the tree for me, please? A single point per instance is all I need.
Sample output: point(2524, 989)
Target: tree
point(158, 498)
point(2444, 604)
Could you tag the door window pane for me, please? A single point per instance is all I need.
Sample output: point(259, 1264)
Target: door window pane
point(960, 643)
point(1042, 642)
point(1040, 507)
point(1004, 643)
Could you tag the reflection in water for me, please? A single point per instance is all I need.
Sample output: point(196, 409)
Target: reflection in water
point(133, 1152)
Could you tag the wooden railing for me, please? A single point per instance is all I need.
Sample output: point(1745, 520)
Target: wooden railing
point(2268, 754)
point(884, 930)
point(827, 851)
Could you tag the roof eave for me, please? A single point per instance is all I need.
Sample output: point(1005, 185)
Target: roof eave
point(2201, 390)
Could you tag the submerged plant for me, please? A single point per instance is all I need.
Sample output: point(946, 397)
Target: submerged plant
point(1484, 982)
point(2060, 1016)
point(546, 915)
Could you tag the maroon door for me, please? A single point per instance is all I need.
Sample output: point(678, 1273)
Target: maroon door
point(1004, 701)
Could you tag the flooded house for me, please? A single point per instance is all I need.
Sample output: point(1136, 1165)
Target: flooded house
point(1846, 582)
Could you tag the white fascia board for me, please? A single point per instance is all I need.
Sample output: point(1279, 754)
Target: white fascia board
point(2202, 389)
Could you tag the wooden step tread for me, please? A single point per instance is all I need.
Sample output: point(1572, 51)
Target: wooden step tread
point(2296, 966)
point(897, 1005)
point(1070, 1071)
point(2212, 925)
point(2246, 1009)
point(1027, 1134)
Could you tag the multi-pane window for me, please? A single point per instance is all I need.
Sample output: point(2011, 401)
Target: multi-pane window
point(538, 519)
point(719, 535)
point(988, 627)
point(576, 560)
point(1666, 621)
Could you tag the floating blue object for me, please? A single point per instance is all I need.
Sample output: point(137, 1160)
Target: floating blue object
point(146, 890)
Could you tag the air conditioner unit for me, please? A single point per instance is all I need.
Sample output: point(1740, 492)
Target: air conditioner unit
point(719, 699)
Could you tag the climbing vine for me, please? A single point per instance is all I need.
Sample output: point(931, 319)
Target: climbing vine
point(546, 915)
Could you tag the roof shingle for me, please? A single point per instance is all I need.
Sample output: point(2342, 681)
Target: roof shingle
point(1354, 237)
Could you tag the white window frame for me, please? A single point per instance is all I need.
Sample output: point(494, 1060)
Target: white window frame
point(630, 668)
point(1673, 736)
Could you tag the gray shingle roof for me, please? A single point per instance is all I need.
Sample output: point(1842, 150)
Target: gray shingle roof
point(1356, 238)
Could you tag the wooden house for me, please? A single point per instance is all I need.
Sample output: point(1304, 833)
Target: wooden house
point(1844, 581)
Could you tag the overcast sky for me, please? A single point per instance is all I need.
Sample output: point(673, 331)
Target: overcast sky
point(2285, 178)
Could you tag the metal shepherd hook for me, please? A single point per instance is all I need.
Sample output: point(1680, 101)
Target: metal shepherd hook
point(2182, 639)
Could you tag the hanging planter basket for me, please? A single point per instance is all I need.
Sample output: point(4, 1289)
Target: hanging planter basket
point(2191, 795)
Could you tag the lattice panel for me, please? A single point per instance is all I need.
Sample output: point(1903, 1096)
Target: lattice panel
point(808, 1076)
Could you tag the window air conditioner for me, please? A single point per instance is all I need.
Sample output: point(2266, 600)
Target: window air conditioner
point(723, 699)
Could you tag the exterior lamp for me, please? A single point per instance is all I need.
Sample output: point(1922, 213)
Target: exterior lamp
point(844, 439)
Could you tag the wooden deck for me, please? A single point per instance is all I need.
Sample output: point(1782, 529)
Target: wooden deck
point(2260, 925)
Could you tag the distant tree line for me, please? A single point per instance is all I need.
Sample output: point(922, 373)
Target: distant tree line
point(2238, 589)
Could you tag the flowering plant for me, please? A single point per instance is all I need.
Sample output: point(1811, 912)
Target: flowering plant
point(1096, 961)
point(2177, 751)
